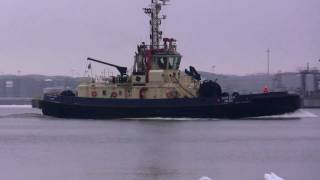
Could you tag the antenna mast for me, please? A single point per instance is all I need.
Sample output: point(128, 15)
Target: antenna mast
point(268, 60)
point(155, 22)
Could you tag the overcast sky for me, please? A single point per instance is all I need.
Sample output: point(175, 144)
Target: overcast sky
point(55, 36)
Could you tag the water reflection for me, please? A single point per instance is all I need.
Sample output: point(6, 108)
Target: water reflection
point(158, 158)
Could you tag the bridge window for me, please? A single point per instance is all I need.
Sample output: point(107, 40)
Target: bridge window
point(166, 62)
point(162, 62)
point(174, 63)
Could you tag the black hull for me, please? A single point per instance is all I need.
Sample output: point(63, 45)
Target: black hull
point(243, 106)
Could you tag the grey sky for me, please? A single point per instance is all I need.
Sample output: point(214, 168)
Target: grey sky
point(55, 37)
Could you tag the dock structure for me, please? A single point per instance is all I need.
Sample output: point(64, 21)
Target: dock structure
point(310, 90)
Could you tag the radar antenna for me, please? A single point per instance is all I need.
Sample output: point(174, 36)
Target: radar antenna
point(154, 12)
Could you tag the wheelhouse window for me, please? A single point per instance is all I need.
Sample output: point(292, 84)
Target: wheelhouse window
point(162, 62)
point(166, 62)
point(174, 62)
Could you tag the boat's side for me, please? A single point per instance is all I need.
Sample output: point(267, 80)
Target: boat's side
point(93, 108)
point(266, 105)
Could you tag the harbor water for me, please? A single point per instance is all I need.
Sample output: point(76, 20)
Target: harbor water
point(35, 147)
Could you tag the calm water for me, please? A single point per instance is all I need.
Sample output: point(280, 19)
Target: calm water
point(33, 147)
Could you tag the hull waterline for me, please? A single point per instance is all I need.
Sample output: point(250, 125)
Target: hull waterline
point(94, 108)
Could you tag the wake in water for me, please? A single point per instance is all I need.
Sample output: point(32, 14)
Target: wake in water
point(19, 111)
point(23, 115)
point(168, 119)
point(15, 106)
point(289, 116)
point(301, 113)
point(267, 176)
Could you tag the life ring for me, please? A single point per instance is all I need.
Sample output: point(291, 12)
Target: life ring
point(171, 94)
point(114, 95)
point(265, 90)
point(142, 92)
point(94, 93)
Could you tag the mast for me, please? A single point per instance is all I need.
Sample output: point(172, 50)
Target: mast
point(268, 60)
point(154, 12)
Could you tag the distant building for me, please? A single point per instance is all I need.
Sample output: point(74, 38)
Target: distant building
point(33, 85)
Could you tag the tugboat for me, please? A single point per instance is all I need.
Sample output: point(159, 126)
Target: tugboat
point(157, 88)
